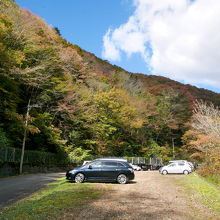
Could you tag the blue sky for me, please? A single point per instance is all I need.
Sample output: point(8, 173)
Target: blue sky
point(129, 27)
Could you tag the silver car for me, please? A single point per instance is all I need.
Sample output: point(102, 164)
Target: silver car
point(135, 167)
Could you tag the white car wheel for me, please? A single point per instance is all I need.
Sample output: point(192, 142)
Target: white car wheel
point(164, 172)
point(185, 172)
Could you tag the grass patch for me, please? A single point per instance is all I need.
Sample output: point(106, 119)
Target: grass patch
point(206, 192)
point(214, 180)
point(52, 201)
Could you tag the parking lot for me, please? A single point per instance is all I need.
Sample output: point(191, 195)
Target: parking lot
point(149, 196)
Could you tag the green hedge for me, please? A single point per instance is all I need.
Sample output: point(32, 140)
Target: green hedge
point(9, 154)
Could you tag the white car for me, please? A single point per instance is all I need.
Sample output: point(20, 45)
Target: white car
point(183, 161)
point(176, 167)
point(136, 167)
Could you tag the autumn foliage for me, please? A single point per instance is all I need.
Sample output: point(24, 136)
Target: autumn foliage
point(88, 107)
point(204, 140)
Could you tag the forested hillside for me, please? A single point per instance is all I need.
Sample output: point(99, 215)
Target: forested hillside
point(80, 104)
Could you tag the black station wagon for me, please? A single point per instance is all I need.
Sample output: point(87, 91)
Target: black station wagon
point(103, 170)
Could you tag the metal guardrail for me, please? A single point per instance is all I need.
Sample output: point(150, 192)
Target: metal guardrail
point(143, 160)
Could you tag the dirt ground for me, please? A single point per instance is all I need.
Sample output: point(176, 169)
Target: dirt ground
point(149, 196)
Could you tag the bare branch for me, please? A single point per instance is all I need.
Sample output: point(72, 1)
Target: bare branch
point(206, 118)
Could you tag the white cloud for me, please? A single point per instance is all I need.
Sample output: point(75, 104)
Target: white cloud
point(110, 50)
point(177, 38)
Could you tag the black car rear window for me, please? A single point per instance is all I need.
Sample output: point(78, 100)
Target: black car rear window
point(120, 164)
point(109, 164)
point(112, 164)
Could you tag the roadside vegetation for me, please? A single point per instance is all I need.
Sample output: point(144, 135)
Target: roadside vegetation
point(203, 191)
point(53, 201)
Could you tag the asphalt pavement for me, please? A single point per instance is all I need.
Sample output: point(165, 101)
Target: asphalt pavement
point(15, 188)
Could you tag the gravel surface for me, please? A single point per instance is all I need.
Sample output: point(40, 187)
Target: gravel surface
point(149, 196)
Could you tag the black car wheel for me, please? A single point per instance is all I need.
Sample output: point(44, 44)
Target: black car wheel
point(79, 178)
point(122, 179)
point(164, 172)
